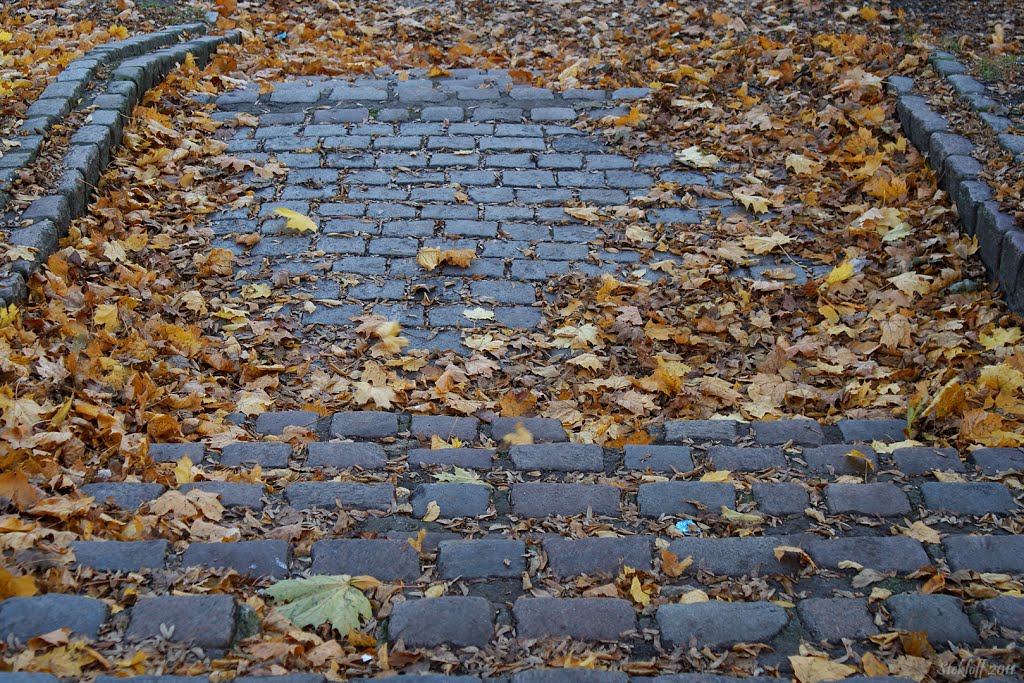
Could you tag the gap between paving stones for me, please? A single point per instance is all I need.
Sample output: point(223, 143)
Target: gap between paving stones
point(92, 145)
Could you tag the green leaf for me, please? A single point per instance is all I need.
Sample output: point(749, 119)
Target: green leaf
point(321, 600)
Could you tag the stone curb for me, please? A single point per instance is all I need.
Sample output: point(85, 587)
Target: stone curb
point(93, 144)
point(1001, 241)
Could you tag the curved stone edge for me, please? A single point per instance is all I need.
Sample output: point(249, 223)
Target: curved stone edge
point(59, 98)
point(90, 152)
point(1001, 241)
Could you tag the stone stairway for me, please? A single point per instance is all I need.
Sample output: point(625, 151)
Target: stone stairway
point(542, 543)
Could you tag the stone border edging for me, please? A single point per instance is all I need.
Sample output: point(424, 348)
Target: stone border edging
point(60, 97)
point(1001, 242)
point(92, 146)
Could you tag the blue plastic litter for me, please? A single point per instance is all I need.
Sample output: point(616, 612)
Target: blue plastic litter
point(687, 526)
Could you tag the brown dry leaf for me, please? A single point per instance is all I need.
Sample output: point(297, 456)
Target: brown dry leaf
point(16, 586)
point(672, 566)
point(922, 532)
point(816, 669)
point(431, 258)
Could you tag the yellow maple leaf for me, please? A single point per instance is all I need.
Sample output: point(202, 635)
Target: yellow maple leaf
point(999, 337)
point(841, 273)
point(295, 220)
point(436, 71)
point(8, 315)
point(118, 31)
point(106, 315)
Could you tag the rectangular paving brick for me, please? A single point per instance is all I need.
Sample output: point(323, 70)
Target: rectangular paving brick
point(27, 617)
point(481, 558)
point(565, 457)
point(345, 455)
point(275, 422)
point(999, 553)
point(684, 498)
point(941, 617)
point(120, 556)
point(541, 428)
point(467, 458)
point(427, 426)
point(364, 424)
point(780, 499)
point(173, 452)
point(968, 498)
point(266, 454)
point(568, 557)
point(747, 458)
point(125, 495)
point(832, 619)
point(250, 558)
point(547, 499)
point(889, 431)
point(330, 494)
point(658, 458)
point(578, 618)
point(882, 499)
point(998, 460)
point(384, 559)
point(702, 430)
point(836, 459)
point(889, 553)
point(204, 620)
point(800, 431)
point(453, 499)
point(716, 623)
point(456, 621)
point(230, 494)
point(918, 460)
point(750, 556)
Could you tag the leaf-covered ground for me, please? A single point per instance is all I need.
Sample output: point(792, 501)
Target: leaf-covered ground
point(132, 334)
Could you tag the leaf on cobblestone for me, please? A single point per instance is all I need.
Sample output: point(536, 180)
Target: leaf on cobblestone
point(433, 511)
point(741, 518)
point(520, 436)
point(922, 532)
point(693, 597)
point(816, 669)
point(672, 566)
point(431, 258)
point(460, 476)
point(184, 471)
point(478, 314)
point(695, 158)
point(717, 476)
point(800, 554)
point(585, 213)
point(868, 576)
point(296, 221)
point(335, 600)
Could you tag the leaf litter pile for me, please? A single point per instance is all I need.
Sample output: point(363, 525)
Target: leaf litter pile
point(131, 334)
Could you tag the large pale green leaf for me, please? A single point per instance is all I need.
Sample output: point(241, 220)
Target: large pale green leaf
point(337, 600)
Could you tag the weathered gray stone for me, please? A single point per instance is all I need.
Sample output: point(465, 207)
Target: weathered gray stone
point(385, 559)
point(569, 557)
point(564, 457)
point(454, 500)
point(578, 618)
point(274, 423)
point(262, 558)
point(998, 460)
point(746, 458)
point(991, 227)
point(752, 556)
point(882, 499)
point(658, 458)
point(205, 620)
point(968, 498)
point(969, 196)
point(1001, 554)
point(430, 622)
point(718, 624)
point(684, 498)
point(920, 460)
point(702, 430)
point(125, 495)
point(266, 454)
point(25, 618)
point(836, 459)
point(833, 619)
point(1005, 610)
point(231, 494)
point(780, 499)
point(345, 455)
point(329, 494)
point(120, 556)
point(467, 458)
point(541, 428)
point(941, 617)
point(886, 553)
point(481, 558)
point(800, 431)
point(427, 426)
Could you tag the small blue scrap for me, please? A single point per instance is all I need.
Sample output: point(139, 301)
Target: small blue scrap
point(687, 526)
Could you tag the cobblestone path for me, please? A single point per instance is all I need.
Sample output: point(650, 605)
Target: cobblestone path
point(525, 547)
point(722, 548)
point(387, 167)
